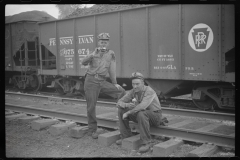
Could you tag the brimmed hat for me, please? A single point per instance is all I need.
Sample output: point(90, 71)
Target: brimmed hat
point(137, 75)
point(103, 36)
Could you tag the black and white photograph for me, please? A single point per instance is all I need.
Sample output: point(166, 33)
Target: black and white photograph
point(120, 80)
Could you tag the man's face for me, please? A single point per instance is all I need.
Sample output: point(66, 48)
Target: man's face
point(103, 44)
point(137, 84)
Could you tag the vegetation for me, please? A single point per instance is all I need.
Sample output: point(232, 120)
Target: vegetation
point(80, 10)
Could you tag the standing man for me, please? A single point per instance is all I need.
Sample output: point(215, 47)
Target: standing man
point(101, 63)
point(142, 106)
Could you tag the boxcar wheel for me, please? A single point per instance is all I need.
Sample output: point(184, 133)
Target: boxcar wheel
point(206, 104)
point(59, 90)
point(35, 83)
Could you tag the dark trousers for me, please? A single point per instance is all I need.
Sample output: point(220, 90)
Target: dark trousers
point(92, 87)
point(144, 119)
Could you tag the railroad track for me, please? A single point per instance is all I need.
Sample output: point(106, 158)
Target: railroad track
point(166, 110)
point(109, 120)
point(181, 102)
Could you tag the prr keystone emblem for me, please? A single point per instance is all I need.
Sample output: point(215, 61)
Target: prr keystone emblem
point(200, 37)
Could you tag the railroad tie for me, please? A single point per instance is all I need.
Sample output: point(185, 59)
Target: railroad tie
point(209, 127)
point(166, 148)
point(108, 138)
point(58, 129)
point(43, 123)
point(132, 143)
point(204, 150)
point(78, 131)
point(28, 119)
point(180, 124)
point(8, 113)
point(15, 116)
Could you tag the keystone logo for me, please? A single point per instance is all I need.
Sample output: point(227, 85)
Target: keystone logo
point(200, 37)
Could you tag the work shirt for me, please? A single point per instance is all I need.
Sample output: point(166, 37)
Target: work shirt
point(146, 100)
point(101, 63)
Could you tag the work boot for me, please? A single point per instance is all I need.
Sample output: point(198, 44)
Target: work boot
point(119, 142)
point(95, 135)
point(89, 133)
point(144, 148)
point(92, 133)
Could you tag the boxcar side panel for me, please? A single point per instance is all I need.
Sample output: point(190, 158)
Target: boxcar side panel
point(85, 44)
point(134, 42)
point(110, 23)
point(228, 43)
point(228, 20)
point(201, 42)
point(164, 42)
point(47, 33)
point(31, 26)
point(65, 49)
point(17, 30)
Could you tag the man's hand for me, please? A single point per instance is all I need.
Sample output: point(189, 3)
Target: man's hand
point(125, 105)
point(118, 86)
point(120, 105)
point(130, 105)
point(125, 115)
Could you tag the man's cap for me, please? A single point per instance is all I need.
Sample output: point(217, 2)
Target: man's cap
point(137, 75)
point(103, 36)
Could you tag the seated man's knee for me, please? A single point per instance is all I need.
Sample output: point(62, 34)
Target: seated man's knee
point(123, 91)
point(120, 110)
point(141, 115)
point(121, 94)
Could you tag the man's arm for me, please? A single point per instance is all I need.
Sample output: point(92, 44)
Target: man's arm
point(124, 101)
point(147, 100)
point(88, 58)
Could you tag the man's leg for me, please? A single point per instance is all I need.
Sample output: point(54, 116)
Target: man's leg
point(124, 124)
point(91, 88)
point(145, 119)
point(111, 90)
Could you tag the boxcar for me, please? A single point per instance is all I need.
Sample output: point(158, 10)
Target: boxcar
point(22, 54)
point(180, 49)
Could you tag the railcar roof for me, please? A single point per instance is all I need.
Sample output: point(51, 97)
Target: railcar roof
point(22, 21)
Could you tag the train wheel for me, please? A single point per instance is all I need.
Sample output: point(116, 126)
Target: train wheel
point(14, 83)
point(18, 84)
point(206, 103)
point(40, 83)
point(35, 82)
point(59, 89)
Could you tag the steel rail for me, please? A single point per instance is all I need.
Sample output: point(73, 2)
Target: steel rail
point(191, 135)
point(185, 134)
point(166, 110)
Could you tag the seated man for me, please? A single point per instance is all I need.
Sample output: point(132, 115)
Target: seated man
point(142, 106)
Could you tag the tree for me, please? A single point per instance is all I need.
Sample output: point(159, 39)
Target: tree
point(65, 10)
point(100, 8)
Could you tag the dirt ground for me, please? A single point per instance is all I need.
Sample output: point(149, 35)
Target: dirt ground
point(22, 141)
